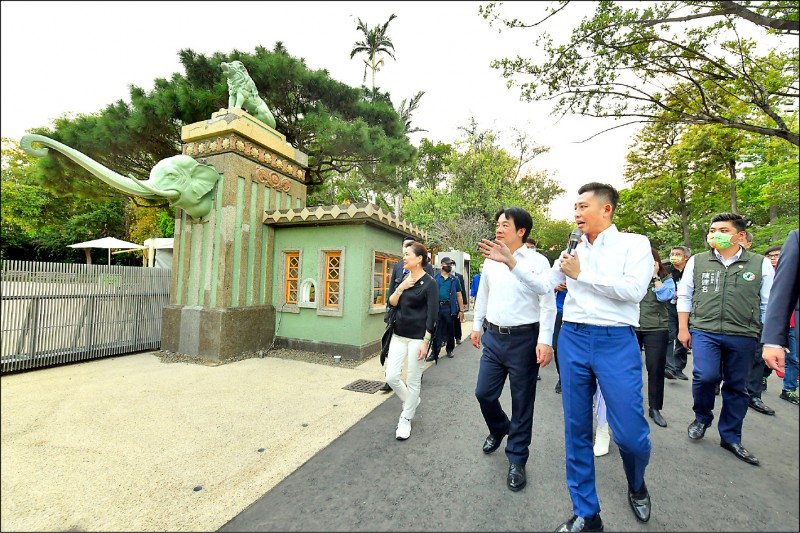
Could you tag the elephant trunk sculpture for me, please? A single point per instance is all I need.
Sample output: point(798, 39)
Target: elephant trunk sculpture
point(179, 179)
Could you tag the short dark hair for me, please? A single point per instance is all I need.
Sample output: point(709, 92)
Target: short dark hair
point(522, 219)
point(738, 221)
point(530, 240)
point(748, 236)
point(420, 251)
point(409, 238)
point(685, 249)
point(603, 190)
point(776, 248)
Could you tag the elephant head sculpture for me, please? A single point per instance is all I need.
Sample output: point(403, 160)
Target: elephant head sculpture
point(179, 179)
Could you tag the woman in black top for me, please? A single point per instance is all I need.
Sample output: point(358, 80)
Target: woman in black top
point(416, 300)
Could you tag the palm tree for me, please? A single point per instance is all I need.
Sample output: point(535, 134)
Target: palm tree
point(375, 42)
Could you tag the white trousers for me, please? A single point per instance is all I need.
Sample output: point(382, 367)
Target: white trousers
point(400, 350)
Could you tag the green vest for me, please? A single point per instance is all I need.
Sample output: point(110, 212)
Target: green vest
point(727, 300)
point(653, 315)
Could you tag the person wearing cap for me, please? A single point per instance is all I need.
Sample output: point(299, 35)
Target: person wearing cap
point(451, 308)
point(457, 323)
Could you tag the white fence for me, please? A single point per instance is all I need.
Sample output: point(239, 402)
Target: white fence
point(56, 313)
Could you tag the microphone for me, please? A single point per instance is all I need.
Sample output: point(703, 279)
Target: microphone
point(574, 239)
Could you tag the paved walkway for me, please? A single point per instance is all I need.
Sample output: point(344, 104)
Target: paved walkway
point(439, 479)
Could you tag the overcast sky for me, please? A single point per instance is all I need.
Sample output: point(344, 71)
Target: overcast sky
point(78, 57)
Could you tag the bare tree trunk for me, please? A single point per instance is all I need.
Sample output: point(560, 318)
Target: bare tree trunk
point(88, 252)
point(732, 172)
point(684, 212)
point(397, 205)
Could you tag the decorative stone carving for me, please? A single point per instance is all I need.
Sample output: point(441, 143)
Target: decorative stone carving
point(272, 180)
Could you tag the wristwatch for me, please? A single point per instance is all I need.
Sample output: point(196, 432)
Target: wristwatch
point(655, 278)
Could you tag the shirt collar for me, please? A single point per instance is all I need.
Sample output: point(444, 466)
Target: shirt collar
point(734, 257)
point(522, 251)
point(608, 233)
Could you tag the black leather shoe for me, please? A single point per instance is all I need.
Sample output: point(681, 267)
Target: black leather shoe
point(657, 418)
point(558, 387)
point(492, 443)
point(697, 429)
point(668, 374)
point(579, 523)
point(385, 388)
point(739, 451)
point(681, 375)
point(432, 357)
point(761, 407)
point(640, 503)
point(516, 477)
point(538, 377)
point(450, 355)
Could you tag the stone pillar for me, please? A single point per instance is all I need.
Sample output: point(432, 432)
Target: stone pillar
point(221, 295)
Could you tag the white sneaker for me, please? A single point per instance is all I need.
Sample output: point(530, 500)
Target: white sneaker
point(403, 429)
point(601, 441)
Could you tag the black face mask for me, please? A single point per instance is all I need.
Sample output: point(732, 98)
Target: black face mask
point(447, 268)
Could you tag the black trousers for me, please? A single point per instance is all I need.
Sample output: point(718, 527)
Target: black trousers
point(444, 331)
point(457, 328)
point(655, 359)
point(755, 383)
point(676, 352)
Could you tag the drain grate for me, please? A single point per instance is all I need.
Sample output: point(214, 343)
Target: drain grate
point(364, 385)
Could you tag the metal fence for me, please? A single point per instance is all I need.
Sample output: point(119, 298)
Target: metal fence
point(56, 313)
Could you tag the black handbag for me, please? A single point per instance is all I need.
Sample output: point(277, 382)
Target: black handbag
point(387, 334)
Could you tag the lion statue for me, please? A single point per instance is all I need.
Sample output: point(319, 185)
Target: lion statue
point(242, 93)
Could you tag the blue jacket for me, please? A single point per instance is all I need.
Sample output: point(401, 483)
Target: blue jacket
point(473, 289)
point(455, 288)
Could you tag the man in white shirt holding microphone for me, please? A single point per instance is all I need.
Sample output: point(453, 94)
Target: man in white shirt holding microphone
point(607, 277)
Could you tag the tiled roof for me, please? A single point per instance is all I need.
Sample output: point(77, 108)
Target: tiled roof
point(342, 213)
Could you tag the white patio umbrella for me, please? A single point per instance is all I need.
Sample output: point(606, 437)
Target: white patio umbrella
point(109, 243)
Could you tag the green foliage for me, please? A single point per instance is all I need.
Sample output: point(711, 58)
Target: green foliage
point(622, 62)
point(456, 190)
point(341, 128)
point(38, 225)
point(681, 176)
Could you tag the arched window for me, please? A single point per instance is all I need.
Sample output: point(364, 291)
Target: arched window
point(308, 293)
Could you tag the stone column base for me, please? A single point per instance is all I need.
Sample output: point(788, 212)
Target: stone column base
point(217, 334)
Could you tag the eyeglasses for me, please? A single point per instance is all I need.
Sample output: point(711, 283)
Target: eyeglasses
point(773, 256)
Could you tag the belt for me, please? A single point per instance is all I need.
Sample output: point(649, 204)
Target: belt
point(510, 330)
point(444, 302)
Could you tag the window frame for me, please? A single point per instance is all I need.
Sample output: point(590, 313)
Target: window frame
point(386, 256)
point(322, 289)
point(281, 304)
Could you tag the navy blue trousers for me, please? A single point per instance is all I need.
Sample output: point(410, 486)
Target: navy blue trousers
point(444, 335)
point(735, 352)
point(611, 356)
point(514, 357)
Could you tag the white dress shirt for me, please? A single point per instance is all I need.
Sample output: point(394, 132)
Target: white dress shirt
point(686, 286)
point(615, 272)
point(506, 300)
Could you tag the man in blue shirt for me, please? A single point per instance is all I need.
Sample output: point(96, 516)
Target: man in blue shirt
point(451, 308)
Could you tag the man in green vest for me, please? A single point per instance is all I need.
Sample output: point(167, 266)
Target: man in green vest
point(721, 304)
